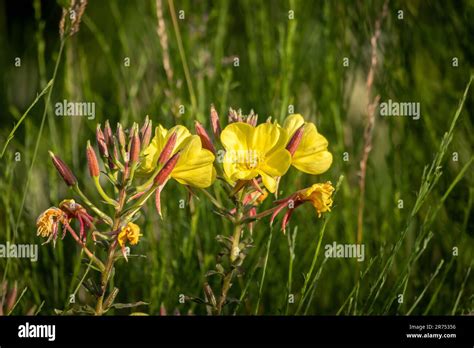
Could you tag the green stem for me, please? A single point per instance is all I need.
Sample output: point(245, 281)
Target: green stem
point(96, 210)
point(105, 277)
point(260, 288)
point(187, 74)
point(213, 200)
point(89, 254)
point(235, 251)
point(102, 192)
point(311, 269)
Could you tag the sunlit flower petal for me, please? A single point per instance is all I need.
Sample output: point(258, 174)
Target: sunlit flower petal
point(195, 164)
point(311, 156)
point(253, 151)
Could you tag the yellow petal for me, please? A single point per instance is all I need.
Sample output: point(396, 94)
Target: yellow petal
point(269, 137)
point(182, 135)
point(269, 182)
point(152, 152)
point(237, 136)
point(195, 165)
point(312, 156)
point(235, 169)
point(277, 163)
point(292, 123)
point(315, 163)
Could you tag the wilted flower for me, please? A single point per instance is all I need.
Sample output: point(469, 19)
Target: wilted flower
point(48, 223)
point(74, 210)
point(319, 195)
point(130, 233)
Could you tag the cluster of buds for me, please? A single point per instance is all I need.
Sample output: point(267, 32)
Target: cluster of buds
point(237, 116)
point(121, 153)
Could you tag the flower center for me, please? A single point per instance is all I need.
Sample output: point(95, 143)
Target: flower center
point(253, 159)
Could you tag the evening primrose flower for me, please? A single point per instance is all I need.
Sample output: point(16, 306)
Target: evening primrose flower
point(255, 151)
point(311, 155)
point(195, 165)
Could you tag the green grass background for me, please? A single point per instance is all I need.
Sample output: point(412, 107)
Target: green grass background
point(281, 62)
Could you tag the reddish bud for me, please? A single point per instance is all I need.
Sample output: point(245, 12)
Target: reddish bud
point(146, 132)
point(63, 170)
point(121, 135)
point(234, 116)
point(252, 119)
point(109, 139)
point(165, 172)
point(101, 143)
point(92, 161)
point(167, 149)
point(295, 140)
point(216, 125)
point(135, 147)
point(158, 201)
point(205, 140)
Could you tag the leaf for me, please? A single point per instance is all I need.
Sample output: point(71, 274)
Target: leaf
point(129, 305)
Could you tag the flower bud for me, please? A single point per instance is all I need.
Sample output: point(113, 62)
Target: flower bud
point(146, 132)
point(92, 161)
point(135, 146)
point(167, 149)
point(205, 140)
point(165, 172)
point(215, 123)
point(234, 116)
point(252, 119)
point(121, 135)
point(108, 133)
point(101, 143)
point(63, 170)
point(295, 140)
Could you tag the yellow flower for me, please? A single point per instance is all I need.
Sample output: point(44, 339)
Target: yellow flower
point(253, 151)
point(311, 156)
point(131, 233)
point(48, 222)
point(320, 196)
point(195, 165)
